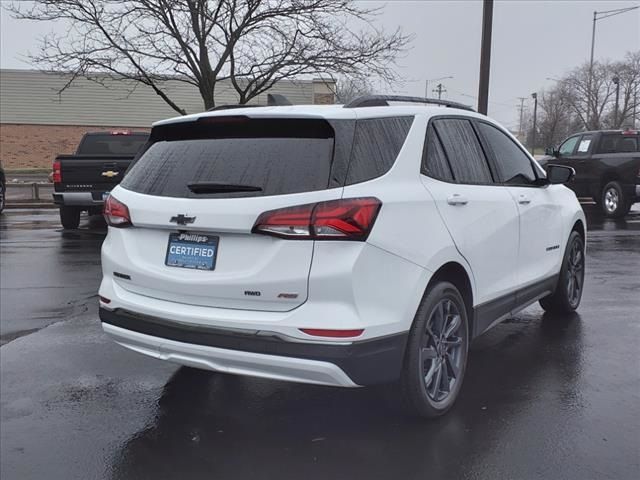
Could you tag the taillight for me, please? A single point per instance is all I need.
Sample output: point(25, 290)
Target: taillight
point(57, 172)
point(116, 213)
point(344, 219)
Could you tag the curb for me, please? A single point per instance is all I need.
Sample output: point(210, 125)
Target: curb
point(14, 205)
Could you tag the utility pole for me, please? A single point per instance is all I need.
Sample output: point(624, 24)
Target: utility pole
point(535, 118)
point(485, 56)
point(616, 80)
point(439, 90)
point(426, 83)
point(522, 99)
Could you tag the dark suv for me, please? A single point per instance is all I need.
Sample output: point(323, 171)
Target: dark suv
point(607, 165)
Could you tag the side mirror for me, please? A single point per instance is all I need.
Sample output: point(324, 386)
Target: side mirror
point(551, 152)
point(558, 174)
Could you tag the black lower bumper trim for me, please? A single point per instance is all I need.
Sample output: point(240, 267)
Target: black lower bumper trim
point(367, 362)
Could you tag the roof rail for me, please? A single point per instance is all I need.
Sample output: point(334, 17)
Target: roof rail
point(383, 101)
point(273, 99)
point(230, 107)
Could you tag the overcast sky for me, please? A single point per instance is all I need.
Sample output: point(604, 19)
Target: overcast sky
point(532, 40)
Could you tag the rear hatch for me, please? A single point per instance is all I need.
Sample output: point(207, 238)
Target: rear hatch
point(200, 187)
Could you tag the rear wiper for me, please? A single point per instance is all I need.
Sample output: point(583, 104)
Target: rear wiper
point(216, 187)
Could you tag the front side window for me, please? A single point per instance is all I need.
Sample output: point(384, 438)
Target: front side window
point(514, 167)
point(463, 150)
point(568, 146)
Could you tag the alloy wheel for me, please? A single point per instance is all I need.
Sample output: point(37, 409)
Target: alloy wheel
point(611, 200)
point(442, 350)
point(575, 273)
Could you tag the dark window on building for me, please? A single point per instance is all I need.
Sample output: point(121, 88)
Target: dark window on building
point(463, 150)
point(376, 145)
point(435, 164)
point(109, 144)
point(278, 156)
point(514, 166)
point(618, 143)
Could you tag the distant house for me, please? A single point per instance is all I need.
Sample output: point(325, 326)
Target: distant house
point(36, 122)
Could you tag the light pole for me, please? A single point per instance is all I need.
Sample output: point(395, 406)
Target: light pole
point(485, 56)
point(426, 83)
point(616, 80)
point(599, 16)
point(534, 95)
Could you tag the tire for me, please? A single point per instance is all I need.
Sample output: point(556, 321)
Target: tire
point(568, 293)
point(69, 217)
point(433, 356)
point(613, 201)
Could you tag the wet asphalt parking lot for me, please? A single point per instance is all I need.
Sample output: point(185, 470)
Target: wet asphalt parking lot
point(544, 397)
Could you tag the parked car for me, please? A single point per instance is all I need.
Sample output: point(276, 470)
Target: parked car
point(607, 165)
point(82, 181)
point(334, 245)
point(3, 189)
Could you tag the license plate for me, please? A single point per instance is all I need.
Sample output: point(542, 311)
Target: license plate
point(192, 250)
point(104, 196)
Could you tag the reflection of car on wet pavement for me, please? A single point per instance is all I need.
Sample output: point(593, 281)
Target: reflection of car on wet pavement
point(82, 180)
point(607, 165)
point(3, 189)
point(247, 242)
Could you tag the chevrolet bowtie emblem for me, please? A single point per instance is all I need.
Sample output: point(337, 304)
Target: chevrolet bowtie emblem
point(182, 219)
point(110, 174)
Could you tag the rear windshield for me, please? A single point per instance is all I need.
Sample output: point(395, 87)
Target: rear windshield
point(269, 156)
point(112, 144)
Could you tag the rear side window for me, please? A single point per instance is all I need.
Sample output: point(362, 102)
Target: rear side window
point(435, 164)
point(618, 144)
point(463, 150)
point(376, 145)
point(271, 156)
point(583, 146)
point(111, 144)
point(514, 167)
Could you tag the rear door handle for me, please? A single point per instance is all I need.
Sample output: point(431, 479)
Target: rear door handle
point(524, 200)
point(457, 199)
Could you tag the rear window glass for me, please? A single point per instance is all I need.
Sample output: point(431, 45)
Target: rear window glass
point(435, 164)
point(109, 144)
point(376, 145)
point(274, 157)
point(618, 144)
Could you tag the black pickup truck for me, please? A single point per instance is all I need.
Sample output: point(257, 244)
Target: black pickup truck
point(83, 180)
point(607, 165)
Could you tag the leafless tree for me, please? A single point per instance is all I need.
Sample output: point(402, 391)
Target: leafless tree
point(252, 44)
point(350, 88)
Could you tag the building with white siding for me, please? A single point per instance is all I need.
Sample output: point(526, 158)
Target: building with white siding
point(37, 122)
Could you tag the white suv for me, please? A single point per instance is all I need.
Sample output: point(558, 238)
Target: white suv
point(336, 245)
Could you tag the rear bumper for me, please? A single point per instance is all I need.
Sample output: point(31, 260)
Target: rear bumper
point(258, 353)
point(77, 199)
